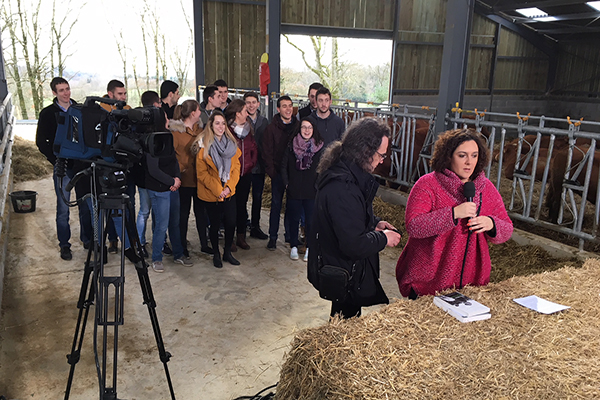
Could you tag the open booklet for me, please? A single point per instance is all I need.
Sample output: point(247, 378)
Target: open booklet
point(462, 307)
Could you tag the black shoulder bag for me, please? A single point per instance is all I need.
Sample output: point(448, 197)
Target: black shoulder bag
point(334, 282)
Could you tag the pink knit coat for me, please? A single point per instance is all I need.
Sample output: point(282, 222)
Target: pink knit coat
point(433, 257)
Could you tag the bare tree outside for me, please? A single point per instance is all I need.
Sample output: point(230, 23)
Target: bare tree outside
point(122, 49)
point(330, 74)
point(61, 29)
point(9, 23)
point(327, 63)
point(30, 29)
point(39, 43)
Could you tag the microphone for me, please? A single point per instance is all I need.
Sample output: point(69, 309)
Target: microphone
point(469, 193)
point(469, 190)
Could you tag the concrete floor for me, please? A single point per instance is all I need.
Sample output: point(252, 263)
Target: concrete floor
point(227, 329)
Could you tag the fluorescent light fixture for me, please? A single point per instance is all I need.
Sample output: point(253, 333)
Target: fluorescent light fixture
point(546, 19)
point(534, 12)
point(594, 4)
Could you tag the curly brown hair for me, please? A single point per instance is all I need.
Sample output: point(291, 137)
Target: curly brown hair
point(447, 143)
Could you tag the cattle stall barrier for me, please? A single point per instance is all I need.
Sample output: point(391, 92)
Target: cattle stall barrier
point(7, 122)
point(541, 142)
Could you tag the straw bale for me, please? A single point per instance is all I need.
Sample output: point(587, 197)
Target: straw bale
point(27, 161)
point(413, 350)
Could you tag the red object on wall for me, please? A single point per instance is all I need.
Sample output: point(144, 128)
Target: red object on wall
point(264, 74)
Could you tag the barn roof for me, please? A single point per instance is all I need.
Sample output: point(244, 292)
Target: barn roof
point(560, 20)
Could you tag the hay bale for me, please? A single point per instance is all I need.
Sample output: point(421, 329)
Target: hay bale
point(413, 350)
point(27, 162)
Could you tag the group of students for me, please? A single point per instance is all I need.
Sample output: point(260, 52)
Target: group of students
point(223, 149)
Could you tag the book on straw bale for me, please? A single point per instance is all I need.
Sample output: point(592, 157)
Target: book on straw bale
point(461, 307)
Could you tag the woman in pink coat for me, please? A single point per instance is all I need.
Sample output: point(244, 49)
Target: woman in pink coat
point(449, 233)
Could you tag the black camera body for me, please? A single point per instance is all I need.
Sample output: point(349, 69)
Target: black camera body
point(90, 132)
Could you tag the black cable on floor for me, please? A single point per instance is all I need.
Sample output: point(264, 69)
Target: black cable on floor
point(259, 396)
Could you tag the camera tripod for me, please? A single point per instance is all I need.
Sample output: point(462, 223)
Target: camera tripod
point(108, 292)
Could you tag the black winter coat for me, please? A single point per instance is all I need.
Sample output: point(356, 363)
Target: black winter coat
point(301, 185)
point(343, 231)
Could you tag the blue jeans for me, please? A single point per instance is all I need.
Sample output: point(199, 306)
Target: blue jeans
point(295, 209)
point(277, 192)
point(165, 206)
point(63, 230)
point(143, 213)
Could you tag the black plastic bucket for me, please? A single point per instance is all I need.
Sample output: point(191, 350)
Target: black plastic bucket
point(23, 201)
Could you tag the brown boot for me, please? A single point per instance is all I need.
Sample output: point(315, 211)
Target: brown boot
point(241, 241)
point(233, 248)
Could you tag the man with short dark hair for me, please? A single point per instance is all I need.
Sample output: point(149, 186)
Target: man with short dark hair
point(275, 140)
point(330, 126)
point(259, 123)
point(116, 90)
point(46, 132)
point(312, 101)
point(212, 101)
point(223, 92)
point(150, 98)
point(169, 95)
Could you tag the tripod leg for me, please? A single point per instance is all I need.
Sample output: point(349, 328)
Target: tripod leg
point(141, 268)
point(83, 304)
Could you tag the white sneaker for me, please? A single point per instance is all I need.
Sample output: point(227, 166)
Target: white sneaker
point(306, 255)
point(158, 266)
point(294, 253)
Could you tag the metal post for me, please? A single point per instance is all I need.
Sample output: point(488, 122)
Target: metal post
point(494, 64)
point(459, 19)
point(394, 50)
point(3, 83)
point(274, 44)
point(199, 45)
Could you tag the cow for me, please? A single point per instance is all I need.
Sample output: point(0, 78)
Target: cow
point(558, 167)
point(421, 129)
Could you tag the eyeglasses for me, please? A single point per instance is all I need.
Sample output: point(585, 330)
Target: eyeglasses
point(306, 128)
point(383, 156)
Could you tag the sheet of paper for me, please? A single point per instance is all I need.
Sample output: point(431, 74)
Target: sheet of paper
point(540, 305)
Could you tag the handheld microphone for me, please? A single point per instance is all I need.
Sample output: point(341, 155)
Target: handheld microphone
point(469, 190)
point(469, 193)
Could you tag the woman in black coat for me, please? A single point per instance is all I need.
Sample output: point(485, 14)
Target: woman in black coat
point(344, 231)
point(299, 174)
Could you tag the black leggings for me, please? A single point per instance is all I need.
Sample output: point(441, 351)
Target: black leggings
point(242, 191)
point(221, 211)
point(186, 196)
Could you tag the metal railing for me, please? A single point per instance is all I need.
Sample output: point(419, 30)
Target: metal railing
point(7, 122)
point(551, 156)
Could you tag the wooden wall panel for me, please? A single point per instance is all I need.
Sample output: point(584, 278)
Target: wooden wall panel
point(478, 68)
point(578, 69)
point(234, 40)
point(423, 16)
point(366, 14)
point(418, 67)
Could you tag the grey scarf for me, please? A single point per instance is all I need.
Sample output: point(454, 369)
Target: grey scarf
point(221, 152)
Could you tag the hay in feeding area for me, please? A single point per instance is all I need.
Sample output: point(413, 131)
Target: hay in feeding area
point(27, 162)
point(413, 350)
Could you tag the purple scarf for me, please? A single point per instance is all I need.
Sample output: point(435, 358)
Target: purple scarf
point(304, 151)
